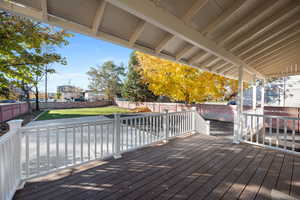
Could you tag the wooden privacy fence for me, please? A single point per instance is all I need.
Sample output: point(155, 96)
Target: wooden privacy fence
point(37, 150)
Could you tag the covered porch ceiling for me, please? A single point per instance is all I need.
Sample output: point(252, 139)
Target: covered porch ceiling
point(213, 35)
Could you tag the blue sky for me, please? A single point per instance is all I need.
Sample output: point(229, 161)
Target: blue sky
point(82, 53)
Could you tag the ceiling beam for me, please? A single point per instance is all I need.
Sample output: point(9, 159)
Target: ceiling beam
point(44, 7)
point(280, 39)
point(275, 48)
point(260, 12)
point(197, 57)
point(184, 51)
point(217, 66)
point(264, 26)
point(273, 66)
point(223, 17)
point(159, 17)
point(163, 43)
point(193, 10)
point(205, 63)
point(99, 16)
point(139, 29)
point(278, 54)
point(281, 28)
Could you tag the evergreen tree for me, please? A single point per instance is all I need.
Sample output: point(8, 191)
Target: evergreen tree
point(134, 88)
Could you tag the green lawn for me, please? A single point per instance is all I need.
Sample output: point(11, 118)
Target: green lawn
point(81, 112)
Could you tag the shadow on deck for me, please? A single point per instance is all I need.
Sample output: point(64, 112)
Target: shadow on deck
point(194, 167)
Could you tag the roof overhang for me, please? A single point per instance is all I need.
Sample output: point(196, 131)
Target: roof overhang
point(213, 35)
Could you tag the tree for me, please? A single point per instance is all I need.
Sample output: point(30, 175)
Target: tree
point(134, 88)
point(21, 46)
point(184, 83)
point(107, 78)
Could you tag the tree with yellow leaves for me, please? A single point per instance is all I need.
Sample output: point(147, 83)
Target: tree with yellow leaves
point(183, 83)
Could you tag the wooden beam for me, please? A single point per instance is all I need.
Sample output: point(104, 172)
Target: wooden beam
point(264, 26)
point(218, 66)
point(184, 51)
point(260, 12)
point(280, 39)
point(278, 55)
point(197, 57)
point(275, 48)
point(194, 10)
point(205, 63)
point(139, 29)
point(272, 66)
point(223, 17)
point(164, 42)
point(159, 17)
point(225, 68)
point(44, 7)
point(99, 16)
point(230, 70)
point(281, 28)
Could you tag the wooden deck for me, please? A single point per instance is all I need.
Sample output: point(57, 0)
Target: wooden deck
point(194, 167)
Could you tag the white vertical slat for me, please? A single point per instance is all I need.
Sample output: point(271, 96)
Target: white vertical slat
point(95, 140)
point(285, 134)
point(257, 129)
point(127, 133)
point(270, 132)
point(81, 143)
point(48, 148)
point(293, 135)
point(135, 132)
point(57, 149)
point(66, 146)
point(107, 139)
point(101, 144)
point(89, 141)
point(251, 133)
point(27, 154)
point(74, 145)
point(277, 132)
point(37, 151)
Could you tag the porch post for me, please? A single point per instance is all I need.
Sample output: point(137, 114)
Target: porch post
point(254, 93)
point(239, 109)
point(263, 95)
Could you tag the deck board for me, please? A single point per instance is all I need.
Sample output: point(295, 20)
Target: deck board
point(194, 167)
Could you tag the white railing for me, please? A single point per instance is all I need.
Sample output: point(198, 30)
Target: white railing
point(276, 132)
point(34, 151)
point(10, 155)
point(49, 148)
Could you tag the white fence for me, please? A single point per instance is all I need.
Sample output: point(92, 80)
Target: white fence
point(276, 132)
point(38, 150)
point(10, 165)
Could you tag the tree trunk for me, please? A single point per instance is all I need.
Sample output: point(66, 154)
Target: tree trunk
point(37, 105)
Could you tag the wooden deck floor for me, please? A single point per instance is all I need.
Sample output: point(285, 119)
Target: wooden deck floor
point(195, 167)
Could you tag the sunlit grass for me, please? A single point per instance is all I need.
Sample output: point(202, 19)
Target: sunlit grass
point(81, 112)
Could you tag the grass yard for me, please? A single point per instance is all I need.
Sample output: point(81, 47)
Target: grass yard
point(81, 112)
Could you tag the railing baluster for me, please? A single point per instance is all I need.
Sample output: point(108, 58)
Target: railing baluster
point(257, 129)
point(57, 149)
point(95, 140)
point(270, 132)
point(251, 132)
point(37, 151)
point(66, 146)
point(101, 138)
point(135, 132)
point(293, 135)
point(127, 133)
point(285, 134)
point(74, 146)
point(277, 132)
point(107, 139)
point(89, 142)
point(48, 148)
point(81, 143)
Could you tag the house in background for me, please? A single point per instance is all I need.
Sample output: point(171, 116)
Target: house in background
point(92, 95)
point(69, 92)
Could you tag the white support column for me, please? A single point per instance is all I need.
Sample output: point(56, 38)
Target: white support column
point(254, 94)
point(238, 114)
point(263, 95)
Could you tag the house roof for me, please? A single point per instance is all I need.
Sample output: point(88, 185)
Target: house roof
point(213, 35)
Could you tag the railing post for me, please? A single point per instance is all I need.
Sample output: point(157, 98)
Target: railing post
point(166, 126)
point(238, 122)
point(207, 127)
point(14, 127)
point(194, 128)
point(117, 132)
